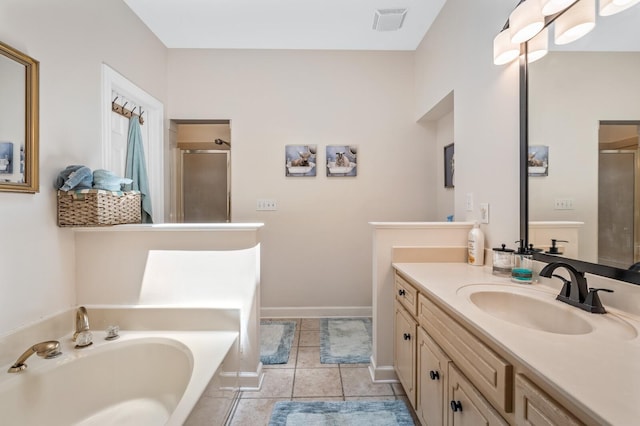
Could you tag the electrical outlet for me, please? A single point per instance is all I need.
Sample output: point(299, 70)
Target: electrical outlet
point(266, 204)
point(469, 202)
point(484, 212)
point(563, 204)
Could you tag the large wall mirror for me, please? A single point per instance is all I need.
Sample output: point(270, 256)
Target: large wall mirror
point(584, 126)
point(18, 121)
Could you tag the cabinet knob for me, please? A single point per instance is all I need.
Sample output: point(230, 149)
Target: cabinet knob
point(401, 292)
point(434, 375)
point(407, 336)
point(456, 406)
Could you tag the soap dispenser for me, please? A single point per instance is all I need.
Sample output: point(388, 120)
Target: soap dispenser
point(522, 271)
point(554, 249)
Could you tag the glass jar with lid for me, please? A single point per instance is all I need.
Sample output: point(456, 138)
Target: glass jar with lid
point(502, 261)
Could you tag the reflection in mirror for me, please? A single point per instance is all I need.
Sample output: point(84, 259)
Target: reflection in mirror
point(574, 94)
point(18, 121)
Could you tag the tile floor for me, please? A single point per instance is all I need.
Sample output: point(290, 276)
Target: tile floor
point(304, 378)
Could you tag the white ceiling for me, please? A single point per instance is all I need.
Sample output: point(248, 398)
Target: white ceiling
point(284, 24)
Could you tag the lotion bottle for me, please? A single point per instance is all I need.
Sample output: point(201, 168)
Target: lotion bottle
point(475, 246)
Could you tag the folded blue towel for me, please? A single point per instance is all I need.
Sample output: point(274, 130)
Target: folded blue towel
point(74, 177)
point(105, 179)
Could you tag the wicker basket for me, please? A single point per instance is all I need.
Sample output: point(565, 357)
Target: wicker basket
point(97, 207)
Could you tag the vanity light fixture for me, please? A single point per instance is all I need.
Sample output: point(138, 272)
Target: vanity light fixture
point(551, 7)
point(538, 46)
point(572, 19)
point(504, 51)
point(575, 22)
point(525, 21)
point(611, 7)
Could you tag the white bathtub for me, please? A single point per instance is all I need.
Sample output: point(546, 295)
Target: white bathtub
point(143, 378)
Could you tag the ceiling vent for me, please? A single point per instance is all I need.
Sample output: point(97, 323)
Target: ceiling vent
point(388, 19)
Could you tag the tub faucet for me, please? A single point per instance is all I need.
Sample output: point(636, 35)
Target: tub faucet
point(82, 335)
point(47, 350)
point(575, 291)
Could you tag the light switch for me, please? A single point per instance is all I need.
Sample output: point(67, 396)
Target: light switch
point(469, 202)
point(484, 212)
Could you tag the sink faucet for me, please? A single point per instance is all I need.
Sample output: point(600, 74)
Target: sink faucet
point(82, 335)
point(575, 291)
point(47, 350)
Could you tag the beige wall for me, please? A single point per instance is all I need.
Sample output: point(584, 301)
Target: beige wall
point(565, 116)
point(457, 55)
point(71, 39)
point(317, 246)
point(316, 249)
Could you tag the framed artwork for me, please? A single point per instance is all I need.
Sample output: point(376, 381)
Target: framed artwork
point(449, 166)
point(300, 160)
point(342, 160)
point(6, 158)
point(538, 160)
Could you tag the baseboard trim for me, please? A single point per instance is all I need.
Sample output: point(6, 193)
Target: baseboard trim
point(382, 374)
point(316, 311)
point(251, 381)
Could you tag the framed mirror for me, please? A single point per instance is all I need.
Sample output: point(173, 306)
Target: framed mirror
point(19, 126)
point(583, 115)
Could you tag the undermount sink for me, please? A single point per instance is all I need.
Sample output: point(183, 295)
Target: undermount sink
point(529, 311)
point(537, 309)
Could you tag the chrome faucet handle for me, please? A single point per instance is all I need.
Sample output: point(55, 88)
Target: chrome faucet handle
point(593, 303)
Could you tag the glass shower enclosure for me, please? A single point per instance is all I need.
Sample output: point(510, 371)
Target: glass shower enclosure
point(205, 186)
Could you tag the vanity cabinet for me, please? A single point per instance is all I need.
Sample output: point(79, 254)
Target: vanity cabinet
point(468, 406)
point(535, 407)
point(454, 376)
point(433, 375)
point(404, 360)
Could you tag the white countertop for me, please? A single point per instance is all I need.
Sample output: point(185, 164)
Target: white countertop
point(599, 371)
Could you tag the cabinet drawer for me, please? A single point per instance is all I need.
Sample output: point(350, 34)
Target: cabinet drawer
point(534, 407)
point(466, 404)
point(491, 374)
point(407, 295)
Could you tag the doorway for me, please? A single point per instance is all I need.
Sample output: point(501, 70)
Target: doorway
point(202, 178)
point(618, 201)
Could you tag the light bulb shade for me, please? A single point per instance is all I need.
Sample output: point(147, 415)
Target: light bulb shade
point(551, 7)
point(575, 22)
point(503, 50)
point(525, 21)
point(538, 46)
point(611, 7)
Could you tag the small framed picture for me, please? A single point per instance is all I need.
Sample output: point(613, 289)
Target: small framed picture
point(449, 169)
point(300, 160)
point(538, 160)
point(342, 160)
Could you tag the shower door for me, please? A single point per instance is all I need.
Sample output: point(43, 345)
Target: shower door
point(618, 208)
point(205, 186)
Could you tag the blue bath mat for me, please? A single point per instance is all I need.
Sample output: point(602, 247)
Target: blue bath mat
point(345, 340)
point(351, 413)
point(276, 337)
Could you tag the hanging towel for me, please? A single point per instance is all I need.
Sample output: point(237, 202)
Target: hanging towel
point(135, 168)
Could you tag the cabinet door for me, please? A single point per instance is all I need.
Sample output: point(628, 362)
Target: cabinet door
point(404, 359)
point(432, 381)
point(534, 407)
point(467, 407)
